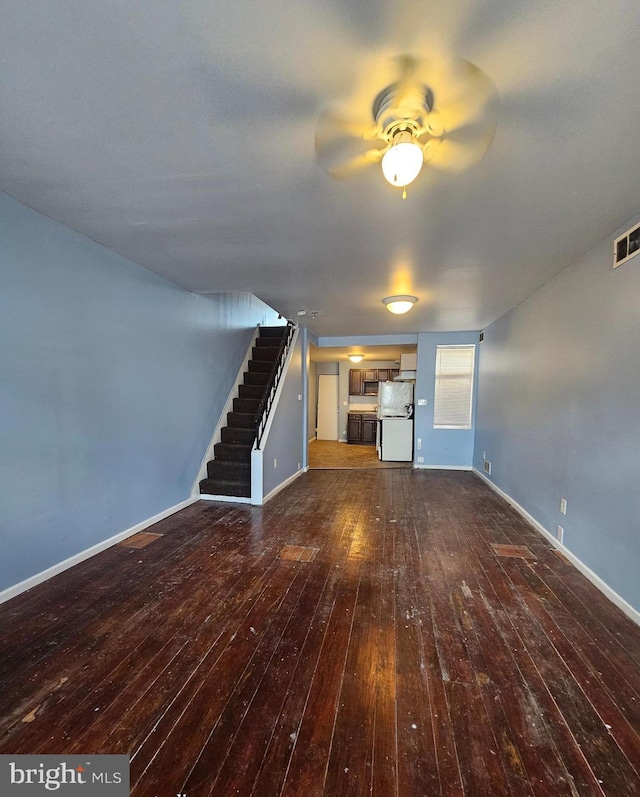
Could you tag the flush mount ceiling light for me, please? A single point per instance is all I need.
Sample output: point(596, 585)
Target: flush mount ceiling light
point(399, 304)
point(441, 113)
point(356, 358)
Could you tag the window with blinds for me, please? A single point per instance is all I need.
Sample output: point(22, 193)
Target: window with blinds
point(453, 399)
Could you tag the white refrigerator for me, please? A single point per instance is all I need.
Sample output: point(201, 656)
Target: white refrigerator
point(396, 440)
point(395, 422)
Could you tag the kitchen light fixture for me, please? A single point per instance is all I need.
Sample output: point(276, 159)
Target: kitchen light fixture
point(399, 304)
point(356, 358)
point(401, 164)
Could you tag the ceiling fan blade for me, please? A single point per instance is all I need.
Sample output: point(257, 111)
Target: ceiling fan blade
point(356, 163)
point(336, 124)
point(460, 150)
point(346, 143)
point(479, 108)
point(407, 81)
point(462, 95)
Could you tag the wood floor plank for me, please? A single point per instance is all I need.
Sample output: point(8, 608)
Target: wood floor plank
point(307, 768)
point(480, 765)
point(418, 771)
point(349, 766)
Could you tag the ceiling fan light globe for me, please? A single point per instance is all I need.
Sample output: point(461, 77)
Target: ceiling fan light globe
point(401, 163)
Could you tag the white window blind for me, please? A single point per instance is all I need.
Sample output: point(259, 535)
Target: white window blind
point(454, 387)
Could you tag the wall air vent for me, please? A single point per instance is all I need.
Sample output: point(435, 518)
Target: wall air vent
point(626, 246)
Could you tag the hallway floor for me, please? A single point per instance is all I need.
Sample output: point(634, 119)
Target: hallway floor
point(329, 454)
point(385, 632)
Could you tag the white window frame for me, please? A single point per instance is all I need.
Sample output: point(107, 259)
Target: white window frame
point(441, 380)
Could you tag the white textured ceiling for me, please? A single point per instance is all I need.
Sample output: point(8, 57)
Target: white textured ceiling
point(181, 135)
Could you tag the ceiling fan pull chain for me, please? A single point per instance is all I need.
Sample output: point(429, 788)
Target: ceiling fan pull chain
point(404, 192)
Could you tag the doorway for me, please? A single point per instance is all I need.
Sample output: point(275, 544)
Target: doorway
point(328, 407)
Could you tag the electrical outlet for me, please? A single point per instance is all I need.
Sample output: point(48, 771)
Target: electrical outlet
point(563, 506)
point(419, 444)
point(484, 455)
point(560, 534)
point(420, 459)
point(275, 463)
point(422, 402)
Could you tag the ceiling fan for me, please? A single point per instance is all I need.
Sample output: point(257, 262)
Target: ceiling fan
point(443, 114)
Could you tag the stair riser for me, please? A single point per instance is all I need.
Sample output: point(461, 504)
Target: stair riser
point(229, 434)
point(232, 452)
point(257, 379)
point(249, 406)
point(241, 420)
point(272, 332)
point(221, 471)
point(251, 391)
point(264, 355)
point(214, 487)
point(261, 366)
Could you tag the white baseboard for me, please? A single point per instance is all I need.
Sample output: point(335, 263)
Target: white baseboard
point(442, 467)
point(229, 499)
point(54, 570)
point(595, 579)
point(284, 484)
point(241, 500)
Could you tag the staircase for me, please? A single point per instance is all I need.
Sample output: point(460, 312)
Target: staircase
point(229, 473)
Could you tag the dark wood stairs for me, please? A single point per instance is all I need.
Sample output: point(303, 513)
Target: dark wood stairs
point(229, 472)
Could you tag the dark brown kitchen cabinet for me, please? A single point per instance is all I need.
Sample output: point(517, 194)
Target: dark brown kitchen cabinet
point(356, 383)
point(361, 427)
point(354, 428)
point(369, 428)
point(364, 381)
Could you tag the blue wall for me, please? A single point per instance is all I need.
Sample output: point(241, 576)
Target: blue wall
point(445, 448)
point(112, 380)
point(559, 411)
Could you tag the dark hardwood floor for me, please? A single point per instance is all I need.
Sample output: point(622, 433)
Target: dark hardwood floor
point(416, 638)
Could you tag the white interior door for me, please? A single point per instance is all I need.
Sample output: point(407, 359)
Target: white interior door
point(328, 407)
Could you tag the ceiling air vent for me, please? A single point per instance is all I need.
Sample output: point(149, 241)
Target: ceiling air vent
point(626, 246)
